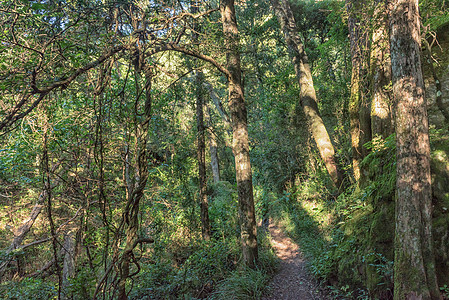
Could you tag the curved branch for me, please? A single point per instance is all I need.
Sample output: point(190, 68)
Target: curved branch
point(12, 117)
point(68, 80)
point(190, 52)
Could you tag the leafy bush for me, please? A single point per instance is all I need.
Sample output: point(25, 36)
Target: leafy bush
point(205, 267)
point(153, 281)
point(29, 289)
point(82, 286)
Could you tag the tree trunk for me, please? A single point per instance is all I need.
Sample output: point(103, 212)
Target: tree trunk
point(217, 103)
point(414, 265)
point(201, 155)
point(381, 115)
point(68, 269)
point(240, 143)
point(131, 212)
point(213, 149)
point(307, 95)
point(47, 186)
point(201, 140)
point(359, 103)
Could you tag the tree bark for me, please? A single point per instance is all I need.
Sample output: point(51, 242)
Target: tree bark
point(381, 114)
point(68, 269)
point(201, 140)
point(213, 149)
point(307, 94)
point(240, 143)
point(414, 265)
point(201, 155)
point(359, 103)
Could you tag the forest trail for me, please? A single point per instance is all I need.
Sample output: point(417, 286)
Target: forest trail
point(292, 282)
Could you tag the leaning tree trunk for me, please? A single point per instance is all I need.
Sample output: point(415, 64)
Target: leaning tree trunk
point(307, 95)
point(21, 232)
point(414, 264)
point(359, 102)
point(240, 144)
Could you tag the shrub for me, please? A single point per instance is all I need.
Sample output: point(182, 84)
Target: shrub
point(28, 289)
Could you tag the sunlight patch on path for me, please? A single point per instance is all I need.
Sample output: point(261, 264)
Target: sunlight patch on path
point(292, 281)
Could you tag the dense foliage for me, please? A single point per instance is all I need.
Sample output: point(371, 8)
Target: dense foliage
point(97, 95)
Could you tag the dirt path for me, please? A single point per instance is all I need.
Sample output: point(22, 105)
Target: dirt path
point(292, 281)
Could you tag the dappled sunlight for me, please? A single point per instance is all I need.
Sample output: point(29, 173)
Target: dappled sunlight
point(222, 149)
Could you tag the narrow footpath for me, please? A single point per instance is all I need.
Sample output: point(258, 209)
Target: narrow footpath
point(292, 282)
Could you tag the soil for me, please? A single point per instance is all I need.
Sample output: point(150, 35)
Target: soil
point(292, 282)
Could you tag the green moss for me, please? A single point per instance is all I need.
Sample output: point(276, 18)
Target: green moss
point(440, 191)
point(405, 271)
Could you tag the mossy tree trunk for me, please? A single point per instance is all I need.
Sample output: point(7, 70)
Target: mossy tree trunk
point(381, 114)
point(414, 265)
point(359, 102)
point(307, 95)
point(240, 143)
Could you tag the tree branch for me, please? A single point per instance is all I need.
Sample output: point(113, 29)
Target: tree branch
point(12, 117)
point(190, 52)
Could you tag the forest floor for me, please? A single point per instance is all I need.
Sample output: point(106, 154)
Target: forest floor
point(292, 281)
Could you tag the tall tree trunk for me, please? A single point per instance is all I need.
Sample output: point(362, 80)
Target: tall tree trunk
point(359, 103)
point(414, 265)
point(307, 95)
point(240, 143)
point(381, 115)
point(201, 155)
point(201, 141)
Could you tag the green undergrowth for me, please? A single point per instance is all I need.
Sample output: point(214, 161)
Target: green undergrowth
point(348, 240)
point(183, 268)
point(29, 288)
point(179, 264)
